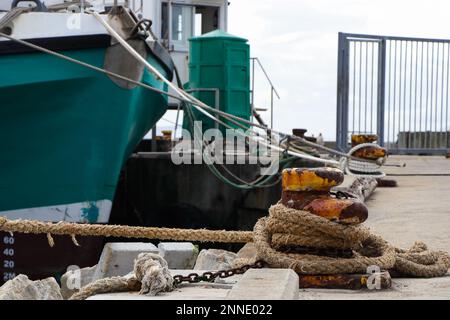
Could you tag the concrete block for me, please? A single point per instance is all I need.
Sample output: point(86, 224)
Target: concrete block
point(179, 255)
point(74, 279)
point(266, 284)
point(215, 259)
point(248, 251)
point(117, 259)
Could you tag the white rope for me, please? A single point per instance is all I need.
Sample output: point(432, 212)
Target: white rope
point(200, 106)
point(350, 166)
point(191, 99)
point(271, 146)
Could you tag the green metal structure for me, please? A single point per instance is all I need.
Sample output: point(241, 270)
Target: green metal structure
point(220, 64)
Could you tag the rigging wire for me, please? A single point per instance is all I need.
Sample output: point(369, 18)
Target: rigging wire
point(261, 182)
point(186, 98)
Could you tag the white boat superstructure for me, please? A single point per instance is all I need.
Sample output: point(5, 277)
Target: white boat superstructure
point(174, 22)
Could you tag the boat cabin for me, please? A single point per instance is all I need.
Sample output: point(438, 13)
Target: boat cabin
point(174, 21)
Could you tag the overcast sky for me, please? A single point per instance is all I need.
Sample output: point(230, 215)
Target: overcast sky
point(297, 42)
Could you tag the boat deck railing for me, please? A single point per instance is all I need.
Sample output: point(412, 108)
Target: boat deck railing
point(273, 91)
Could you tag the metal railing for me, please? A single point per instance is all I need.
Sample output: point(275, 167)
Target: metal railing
point(273, 90)
point(396, 87)
point(216, 97)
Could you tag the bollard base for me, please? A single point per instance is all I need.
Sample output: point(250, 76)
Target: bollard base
point(346, 281)
point(385, 183)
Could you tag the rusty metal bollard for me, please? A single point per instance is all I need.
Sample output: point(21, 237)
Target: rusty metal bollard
point(358, 139)
point(371, 153)
point(368, 152)
point(310, 190)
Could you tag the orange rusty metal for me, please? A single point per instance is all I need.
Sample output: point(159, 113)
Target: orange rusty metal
point(309, 179)
point(370, 153)
point(343, 281)
point(167, 135)
point(358, 139)
point(345, 211)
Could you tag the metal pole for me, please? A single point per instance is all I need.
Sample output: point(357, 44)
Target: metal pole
point(366, 87)
point(381, 91)
point(389, 93)
point(415, 97)
point(447, 146)
point(421, 94)
point(395, 92)
point(400, 87)
point(442, 99)
point(360, 88)
point(253, 85)
point(346, 90)
point(371, 86)
point(169, 24)
point(342, 93)
point(271, 108)
point(217, 104)
point(404, 93)
point(154, 146)
point(339, 105)
point(410, 95)
point(354, 89)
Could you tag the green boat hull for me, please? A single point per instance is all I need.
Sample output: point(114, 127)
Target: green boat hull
point(66, 132)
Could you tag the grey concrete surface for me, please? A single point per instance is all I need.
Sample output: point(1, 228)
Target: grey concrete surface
point(266, 284)
point(418, 165)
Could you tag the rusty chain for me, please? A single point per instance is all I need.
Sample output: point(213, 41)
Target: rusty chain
point(212, 276)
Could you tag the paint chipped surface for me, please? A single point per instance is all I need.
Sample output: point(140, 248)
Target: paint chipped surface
point(308, 179)
point(91, 213)
point(81, 212)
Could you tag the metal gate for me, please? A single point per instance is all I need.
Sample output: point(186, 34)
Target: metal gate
point(397, 88)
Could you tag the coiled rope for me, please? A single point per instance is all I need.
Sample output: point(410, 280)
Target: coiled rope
point(284, 226)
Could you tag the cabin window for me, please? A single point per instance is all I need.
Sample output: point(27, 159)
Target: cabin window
point(186, 21)
point(181, 26)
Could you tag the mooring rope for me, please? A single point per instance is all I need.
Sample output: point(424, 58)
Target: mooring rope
point(284, 226)
point(75, 229)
